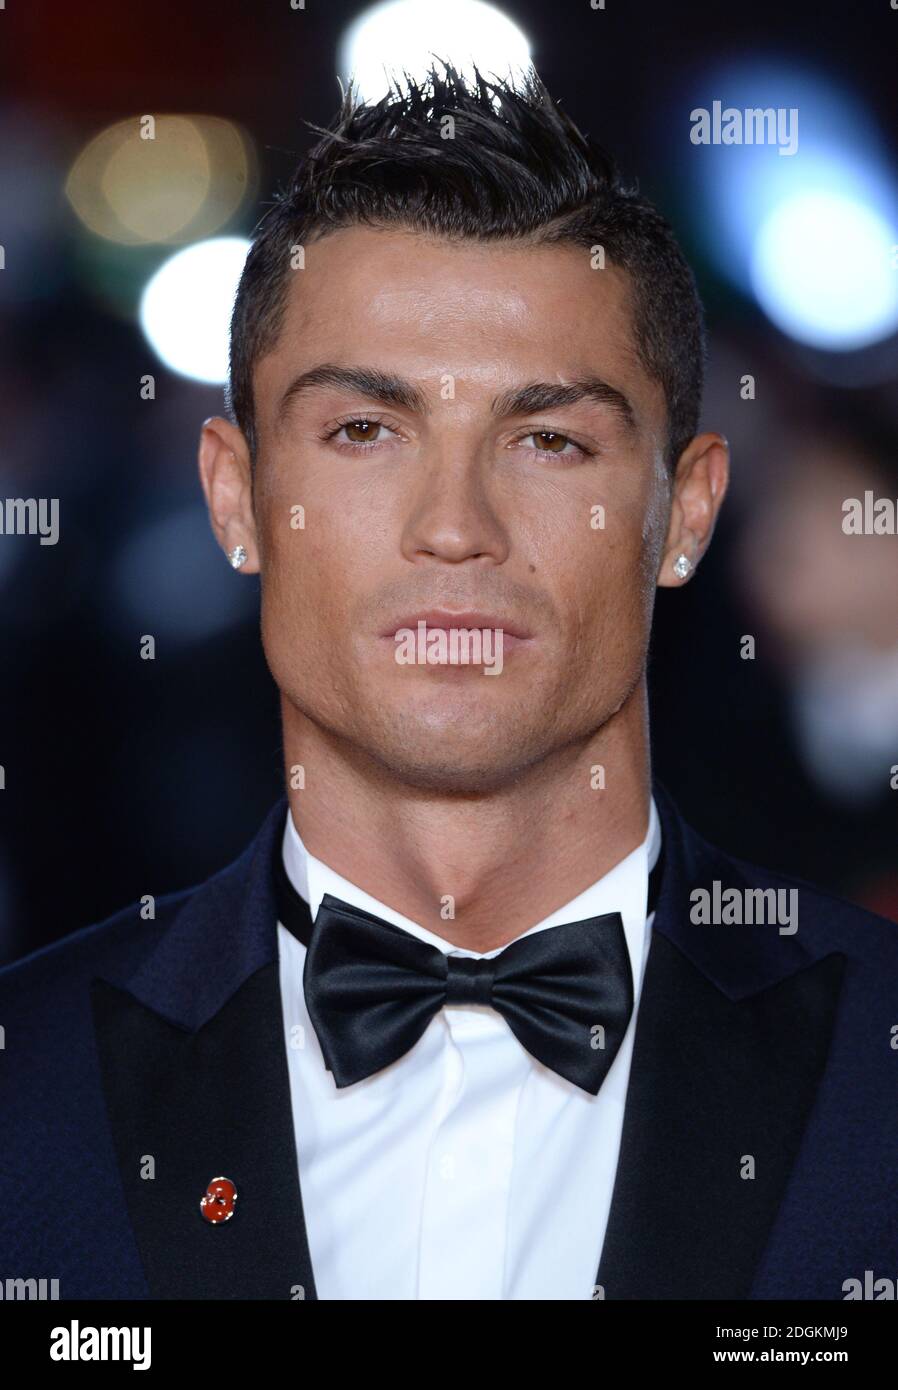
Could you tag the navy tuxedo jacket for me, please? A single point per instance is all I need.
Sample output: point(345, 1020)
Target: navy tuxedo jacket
point(755, 1051)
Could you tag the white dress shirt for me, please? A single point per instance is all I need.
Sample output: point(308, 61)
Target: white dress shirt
point(466, 1169)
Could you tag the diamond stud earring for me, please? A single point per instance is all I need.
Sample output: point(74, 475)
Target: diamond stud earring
point(237, 556)
point(682, 566)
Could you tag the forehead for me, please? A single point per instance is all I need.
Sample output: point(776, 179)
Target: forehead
point(488, 314)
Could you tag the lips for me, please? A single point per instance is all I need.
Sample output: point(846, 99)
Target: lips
point(441, 618)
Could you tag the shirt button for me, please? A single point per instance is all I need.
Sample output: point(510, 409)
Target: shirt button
point(446, 1167)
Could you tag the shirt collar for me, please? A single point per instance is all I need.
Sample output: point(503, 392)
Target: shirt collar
point(623, 889)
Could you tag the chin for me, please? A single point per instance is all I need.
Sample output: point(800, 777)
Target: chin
point(452, 757)
point(451, 776)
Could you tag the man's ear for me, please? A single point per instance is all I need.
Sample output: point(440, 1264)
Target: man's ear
point(226, 476)
point(699, 487)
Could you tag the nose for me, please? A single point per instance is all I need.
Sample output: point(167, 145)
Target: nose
point(451, 516)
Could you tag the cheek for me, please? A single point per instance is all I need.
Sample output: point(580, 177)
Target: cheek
point(604, 574)
point(301, 584)
point(316, 584)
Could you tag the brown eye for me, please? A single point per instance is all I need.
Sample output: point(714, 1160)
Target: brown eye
point(550, 439)
point(551, 442)
point(366, 430)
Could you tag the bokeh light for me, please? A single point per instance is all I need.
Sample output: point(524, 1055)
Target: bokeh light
point(822, 271)
point(185, 310)
point(182, 184)
point(404, 35)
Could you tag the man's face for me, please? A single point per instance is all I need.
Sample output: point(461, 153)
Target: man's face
point(443, 501)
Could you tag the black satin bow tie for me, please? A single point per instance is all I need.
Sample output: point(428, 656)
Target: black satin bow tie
point(371, 988)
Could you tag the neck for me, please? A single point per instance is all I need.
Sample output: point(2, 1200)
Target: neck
point(506, 859)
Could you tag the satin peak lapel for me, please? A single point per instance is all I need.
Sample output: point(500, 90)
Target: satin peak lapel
point(195, 1074)
point(732, 1037)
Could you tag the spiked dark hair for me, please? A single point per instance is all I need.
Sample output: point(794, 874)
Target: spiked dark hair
point(517, 168)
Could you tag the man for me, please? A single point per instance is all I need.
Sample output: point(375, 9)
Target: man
point(476, 1015)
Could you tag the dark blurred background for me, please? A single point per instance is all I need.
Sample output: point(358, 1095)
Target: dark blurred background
point(123, 776)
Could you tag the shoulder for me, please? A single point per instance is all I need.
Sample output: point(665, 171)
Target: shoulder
point(823, 921)
point(117, 945)
point(171, 934)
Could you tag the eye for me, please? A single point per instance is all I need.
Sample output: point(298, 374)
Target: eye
point(550, 442)
point(361, 433)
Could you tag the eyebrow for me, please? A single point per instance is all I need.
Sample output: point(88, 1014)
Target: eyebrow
point(547, 395)
point(389, 389)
